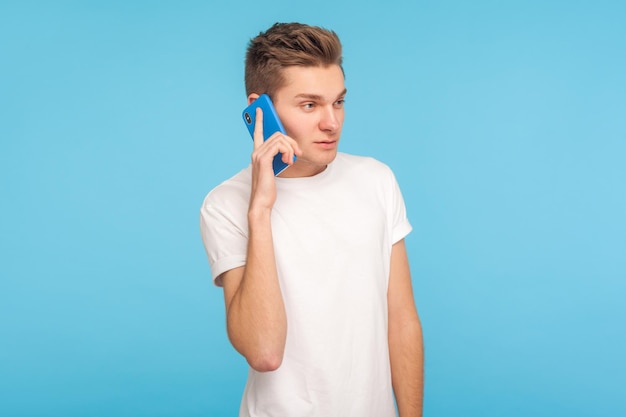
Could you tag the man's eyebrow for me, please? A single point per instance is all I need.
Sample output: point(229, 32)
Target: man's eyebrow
point(314, 97)
point(317, 97)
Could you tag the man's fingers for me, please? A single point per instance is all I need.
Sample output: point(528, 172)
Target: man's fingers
point(289, 148)
point(277, 143)
point(258, 128)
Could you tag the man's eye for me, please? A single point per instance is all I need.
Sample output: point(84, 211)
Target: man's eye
point(308, 106)
point(340, 103)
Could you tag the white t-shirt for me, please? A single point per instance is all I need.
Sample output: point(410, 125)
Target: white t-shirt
point(333, 234)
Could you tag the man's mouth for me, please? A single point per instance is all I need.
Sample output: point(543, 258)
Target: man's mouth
point(326, 143)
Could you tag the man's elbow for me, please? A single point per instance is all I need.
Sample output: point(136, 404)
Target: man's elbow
point(266, 362)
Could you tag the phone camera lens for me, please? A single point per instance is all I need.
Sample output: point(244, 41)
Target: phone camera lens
point(248, 118)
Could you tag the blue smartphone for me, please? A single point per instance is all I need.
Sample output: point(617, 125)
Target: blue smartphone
point(271, 125)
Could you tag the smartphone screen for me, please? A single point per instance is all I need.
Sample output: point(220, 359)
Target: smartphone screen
point(271, 125)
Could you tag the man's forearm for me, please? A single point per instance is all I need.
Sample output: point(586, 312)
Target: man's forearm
point(407, 366)
point(257, 323)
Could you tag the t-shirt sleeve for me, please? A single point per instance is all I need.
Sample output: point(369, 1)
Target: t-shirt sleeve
point(400, 226)
point(225, 238)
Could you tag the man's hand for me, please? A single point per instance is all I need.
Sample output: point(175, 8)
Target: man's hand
point(263, 193)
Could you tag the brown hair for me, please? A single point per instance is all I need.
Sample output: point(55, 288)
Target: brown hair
point(284, 45)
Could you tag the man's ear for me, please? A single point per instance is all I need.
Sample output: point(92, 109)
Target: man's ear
point(252, 97)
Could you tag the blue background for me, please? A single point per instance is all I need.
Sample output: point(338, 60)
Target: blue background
point(505, 122)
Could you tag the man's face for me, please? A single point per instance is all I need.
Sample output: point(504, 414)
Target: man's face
point(310, 107)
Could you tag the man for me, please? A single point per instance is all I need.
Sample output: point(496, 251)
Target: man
point(313, 263)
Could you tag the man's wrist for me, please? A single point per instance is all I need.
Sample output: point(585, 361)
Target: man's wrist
point(259, 215)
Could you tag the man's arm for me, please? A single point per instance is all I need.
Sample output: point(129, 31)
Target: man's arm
point(406, 349)
point(255, 311)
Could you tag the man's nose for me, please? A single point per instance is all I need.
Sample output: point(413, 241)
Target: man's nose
point(329, 120)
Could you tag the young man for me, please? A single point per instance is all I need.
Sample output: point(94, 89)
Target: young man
point(315, 272)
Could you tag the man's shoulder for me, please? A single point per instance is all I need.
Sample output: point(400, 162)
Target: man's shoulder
point(234, 190)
